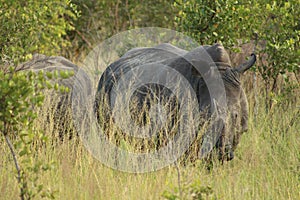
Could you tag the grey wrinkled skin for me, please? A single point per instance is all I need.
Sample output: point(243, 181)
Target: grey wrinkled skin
point(235, 119)
point(60, 103)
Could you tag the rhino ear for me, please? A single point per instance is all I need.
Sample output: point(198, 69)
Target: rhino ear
point(247, 65)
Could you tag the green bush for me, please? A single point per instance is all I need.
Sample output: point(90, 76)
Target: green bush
point(20, 93)
point(208, 21)
point(30, 26)
point(273, 24)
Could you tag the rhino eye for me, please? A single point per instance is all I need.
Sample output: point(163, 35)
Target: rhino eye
point(234, 115)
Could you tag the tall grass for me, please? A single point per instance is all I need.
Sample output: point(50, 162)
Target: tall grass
point(266, 166)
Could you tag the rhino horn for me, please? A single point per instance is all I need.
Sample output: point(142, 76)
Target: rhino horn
point(245, 66)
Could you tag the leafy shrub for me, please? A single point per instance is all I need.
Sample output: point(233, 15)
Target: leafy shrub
point(29, 26)
point(273, 23)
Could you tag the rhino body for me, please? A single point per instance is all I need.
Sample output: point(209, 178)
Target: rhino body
point(198, 67)
point(59, 105)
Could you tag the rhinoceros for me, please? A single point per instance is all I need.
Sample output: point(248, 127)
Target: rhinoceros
point(59, 106)
point(198, 66)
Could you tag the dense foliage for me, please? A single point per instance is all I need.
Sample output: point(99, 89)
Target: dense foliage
point(273, 26)
point(20, 94)
point(274, 22)
point(102, 19)
point(208, 21)
point(29, 26)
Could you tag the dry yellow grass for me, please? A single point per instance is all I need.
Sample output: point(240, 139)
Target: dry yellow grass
point(266, 166)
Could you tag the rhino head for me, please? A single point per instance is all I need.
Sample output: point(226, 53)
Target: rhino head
point(230, 123)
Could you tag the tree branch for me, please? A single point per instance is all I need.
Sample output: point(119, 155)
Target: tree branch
point(11, 148)
point(17, 166)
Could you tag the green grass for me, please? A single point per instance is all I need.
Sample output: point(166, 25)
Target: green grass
point(266, 166)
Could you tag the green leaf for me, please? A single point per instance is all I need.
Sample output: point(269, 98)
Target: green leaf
point(23, 152)
point(49, 75)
